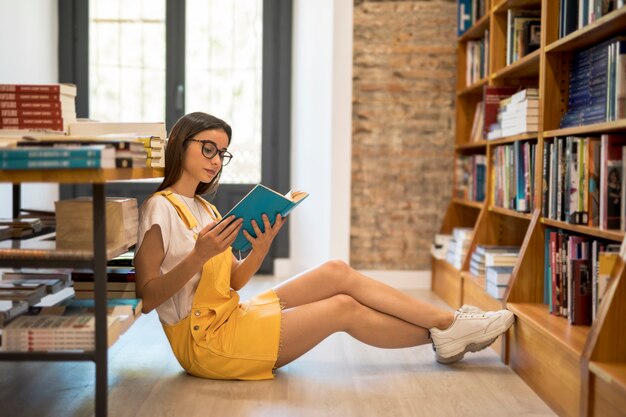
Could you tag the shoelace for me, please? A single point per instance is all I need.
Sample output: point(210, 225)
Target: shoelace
point(472, 315)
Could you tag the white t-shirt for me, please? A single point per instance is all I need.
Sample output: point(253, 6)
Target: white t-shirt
point(178, 241)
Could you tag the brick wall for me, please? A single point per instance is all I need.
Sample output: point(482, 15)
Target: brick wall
point(403, 130)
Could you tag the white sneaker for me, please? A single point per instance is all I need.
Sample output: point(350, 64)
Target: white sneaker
point(469, 332)
point(468, 308)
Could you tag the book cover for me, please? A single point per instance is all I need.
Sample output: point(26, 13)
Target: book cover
point(262, 200)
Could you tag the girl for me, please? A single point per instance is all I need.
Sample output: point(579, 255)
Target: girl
point(186, 270)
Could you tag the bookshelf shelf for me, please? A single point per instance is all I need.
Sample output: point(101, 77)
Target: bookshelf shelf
point(472, 145)
point(476, 88)
point(467, 203)
point(526, 67)
point(616, 126)
point(78, 176)
point(614, 235)
point(570, 338)
point(603, 28)
point(541, 348)
point(476, 31)
point(515, 138)
point(510, 213)
point(610, 372)
point(505, 5)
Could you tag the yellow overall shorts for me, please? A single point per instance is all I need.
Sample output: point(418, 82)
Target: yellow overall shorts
point(223, 338)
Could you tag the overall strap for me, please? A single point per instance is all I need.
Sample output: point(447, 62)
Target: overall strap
point(183, 212)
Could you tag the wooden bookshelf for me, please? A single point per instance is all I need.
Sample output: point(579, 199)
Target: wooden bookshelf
point(577, 370)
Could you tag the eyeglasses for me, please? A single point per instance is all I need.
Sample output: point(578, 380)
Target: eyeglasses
point(209, 150)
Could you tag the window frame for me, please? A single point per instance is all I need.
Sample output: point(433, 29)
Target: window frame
point(276, 101)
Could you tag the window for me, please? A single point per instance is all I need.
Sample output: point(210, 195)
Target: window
point(135, 60)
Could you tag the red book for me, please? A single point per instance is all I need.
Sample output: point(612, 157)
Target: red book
point(24, 114)
point(67, 89)
point(580, 314)
point(30, 97)
point(31, 105)
point(491, 97)
point(16, 123)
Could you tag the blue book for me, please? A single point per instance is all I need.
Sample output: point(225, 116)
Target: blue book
point(51, 153)
point(262, 200)
point(53, 163)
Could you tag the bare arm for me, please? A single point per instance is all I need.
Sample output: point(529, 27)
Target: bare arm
point(243, 270)
point(154, 288)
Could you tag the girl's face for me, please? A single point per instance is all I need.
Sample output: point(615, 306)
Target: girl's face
point(196, 164)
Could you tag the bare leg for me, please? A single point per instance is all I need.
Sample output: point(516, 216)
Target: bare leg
point(305, 326)
point(336, 277)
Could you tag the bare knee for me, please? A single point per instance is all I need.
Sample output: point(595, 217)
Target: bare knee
point(340, 271)
point(346, 309)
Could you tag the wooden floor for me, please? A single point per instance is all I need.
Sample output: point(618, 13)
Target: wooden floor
point(340, 377)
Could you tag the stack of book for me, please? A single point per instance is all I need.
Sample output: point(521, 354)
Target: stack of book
point(19, 290)
point(75, 223)
point(120, 283)
point(37, 106)
point(54, 332)
point(520, 112)
point(18, 228)
point(440, 246)
point(596, 88)
point(492, 96)
point(151, 135)
point(499, 263)
point(459, 245)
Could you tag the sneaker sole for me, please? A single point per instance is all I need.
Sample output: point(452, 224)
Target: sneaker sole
point(472, 347)
point(488, 339)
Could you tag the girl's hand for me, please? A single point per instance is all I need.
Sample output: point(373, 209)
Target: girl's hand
point(263, 241)
point(213, 240)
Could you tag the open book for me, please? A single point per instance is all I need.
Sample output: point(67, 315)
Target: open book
point(258, 201)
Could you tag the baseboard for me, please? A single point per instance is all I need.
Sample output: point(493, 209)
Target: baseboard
point(405, 280)
point(395, 278)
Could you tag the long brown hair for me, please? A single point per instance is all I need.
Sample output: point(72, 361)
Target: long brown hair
point(186, 128)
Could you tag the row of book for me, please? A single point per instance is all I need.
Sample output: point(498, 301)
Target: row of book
point(515, 114)
point(468, 13)
point(523, 33)
point(597, 84)
point(37, 107)
point(514, 176)
point(583, 181)
point(477, 60)
point(470, 177)
point(577, 271)
point(576, 14)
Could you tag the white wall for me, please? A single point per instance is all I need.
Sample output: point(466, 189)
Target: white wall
point(29, 51)
point(321, 131)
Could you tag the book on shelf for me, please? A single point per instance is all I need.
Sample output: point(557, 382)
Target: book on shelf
point(262, 200)
point(606, 261)
point(611, 181)
point(134, 303)
point(94, 156)
point(38, 274)
point(494, 290)
point(120, 274)
point(470, 178)
point(128, 286)
point(499, 275)
point(51, 285)
point(492, 95)
point(523, 27)
point(54, 332)
point(32, 294)
point(10, 309)
point(501, 259)
point(22, 227)
point(139, 129)
point(37, 106)
point(75, 222)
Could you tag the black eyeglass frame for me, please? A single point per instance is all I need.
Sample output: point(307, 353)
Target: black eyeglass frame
point(222, 154)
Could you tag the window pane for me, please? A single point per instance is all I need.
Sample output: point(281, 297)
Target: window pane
point(127, 60)
point(223, 75)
